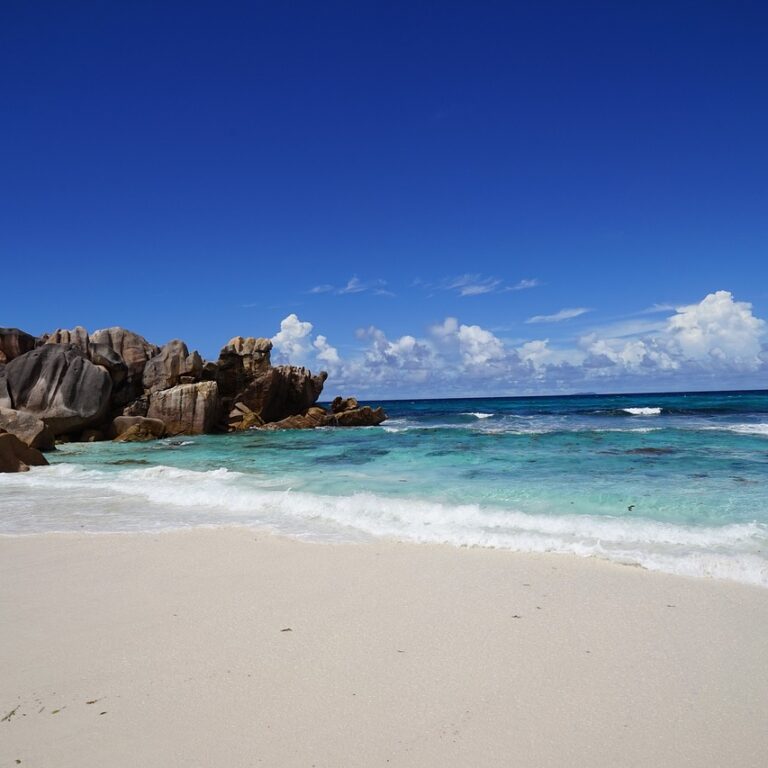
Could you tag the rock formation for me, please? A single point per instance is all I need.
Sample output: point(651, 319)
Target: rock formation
point(13, 343)
point(153, 427)
point(187, 409)
point(17, 456)
point(77, 337)
point(28, 428)
point(59, 386)
point(115, 384)
point(171, 366)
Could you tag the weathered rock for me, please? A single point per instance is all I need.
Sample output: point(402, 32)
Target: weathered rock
point(56, 383)
point(122, 424)
point(17, 456)
point(173, 362)
point(137, 407)
point(255, 353)
point(27, 428)
point(210, 371)
point(13, 343)
point(5, 395)
point(341, 404)
point(359, 417)
point(186, 409)
point(241, 417)
point(77, 337)
point(239, 361)
point(138, 433)
point(110, 360)
point(135, 350)
point(282, 391)
point(91, 436)
point(310, 419)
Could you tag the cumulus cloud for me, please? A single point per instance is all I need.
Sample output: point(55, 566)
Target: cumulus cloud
point(558, 317)
point(479, 346)
point(325, 352)
point(292, 342)
point(715, 342)
point(718, 331)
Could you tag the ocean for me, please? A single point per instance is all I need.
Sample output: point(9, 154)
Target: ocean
point(671, 482)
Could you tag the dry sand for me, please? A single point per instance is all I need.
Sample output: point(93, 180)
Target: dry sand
point(175, 650)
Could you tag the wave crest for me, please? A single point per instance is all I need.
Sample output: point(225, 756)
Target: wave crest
point(67, 496)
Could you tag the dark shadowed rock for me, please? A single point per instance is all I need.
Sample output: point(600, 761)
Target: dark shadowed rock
point(13, 343)
point(27, 428)
point(91, 436)
point(108, 358)
point(77, 337)
point(137, 407)
point(170, 366)
point(282, 391)
point(17, 456)
point(187, 409)
point(121, 424)
point(59, 385)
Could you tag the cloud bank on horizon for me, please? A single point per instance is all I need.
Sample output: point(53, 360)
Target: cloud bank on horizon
point(717, 343)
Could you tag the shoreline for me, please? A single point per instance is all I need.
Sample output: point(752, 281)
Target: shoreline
point(398, 654)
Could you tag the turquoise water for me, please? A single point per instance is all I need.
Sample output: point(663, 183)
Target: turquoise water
point(675, 482)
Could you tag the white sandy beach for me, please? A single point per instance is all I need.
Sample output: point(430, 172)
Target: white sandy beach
point(175, 650)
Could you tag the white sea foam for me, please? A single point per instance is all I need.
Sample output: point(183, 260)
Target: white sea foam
point(71, 497)
point(642, 411)
point(749, 429)
point(478, 414)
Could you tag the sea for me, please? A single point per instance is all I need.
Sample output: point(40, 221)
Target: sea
point(671, 482)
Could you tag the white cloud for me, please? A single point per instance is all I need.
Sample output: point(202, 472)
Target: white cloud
point(718, 331)
point(448, 329)
point(478, 285)
point(525, 283)
point(292, 341)
point(324, 288)
point(354, 285)
point(325, 352)
point(479, 346)
point(558, 317)
point(715, 342)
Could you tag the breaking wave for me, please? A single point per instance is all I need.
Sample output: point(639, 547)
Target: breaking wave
point(71, 497)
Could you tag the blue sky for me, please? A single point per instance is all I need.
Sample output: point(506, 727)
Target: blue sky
point(459, 198)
